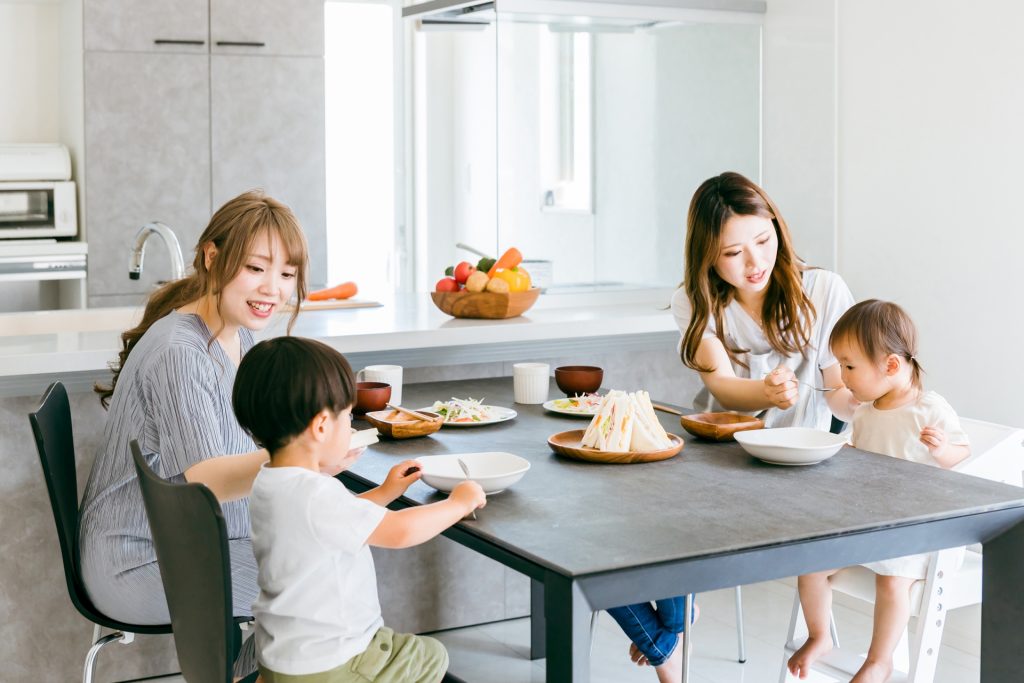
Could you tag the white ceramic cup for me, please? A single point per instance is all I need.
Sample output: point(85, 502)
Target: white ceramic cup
point(392, 374)
point(530, 382)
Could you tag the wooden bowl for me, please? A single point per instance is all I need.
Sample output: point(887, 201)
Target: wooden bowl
point(394, 425)
point(719, 426)
point(569, 444)
point(485, 304)
point(576, 380)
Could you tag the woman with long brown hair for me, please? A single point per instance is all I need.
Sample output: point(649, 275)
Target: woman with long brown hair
point(171, 391)
point(755, 323)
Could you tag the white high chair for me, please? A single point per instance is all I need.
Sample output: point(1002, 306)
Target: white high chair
point(997, 453)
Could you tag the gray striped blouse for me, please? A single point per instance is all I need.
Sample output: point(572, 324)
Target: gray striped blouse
point(174, 396)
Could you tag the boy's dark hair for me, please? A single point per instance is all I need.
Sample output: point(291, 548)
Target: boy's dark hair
point(282, 383)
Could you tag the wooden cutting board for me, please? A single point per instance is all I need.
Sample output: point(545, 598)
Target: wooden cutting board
point(337, 303)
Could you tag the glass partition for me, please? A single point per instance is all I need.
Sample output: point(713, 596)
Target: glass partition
point(578, 139)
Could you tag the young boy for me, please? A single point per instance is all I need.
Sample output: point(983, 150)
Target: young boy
point(317, 616)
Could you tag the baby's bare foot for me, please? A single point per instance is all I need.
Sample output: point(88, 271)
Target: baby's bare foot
point(801, 661)
point(873, 672)
point(638, 657)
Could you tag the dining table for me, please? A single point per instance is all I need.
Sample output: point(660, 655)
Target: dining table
point(592, 536)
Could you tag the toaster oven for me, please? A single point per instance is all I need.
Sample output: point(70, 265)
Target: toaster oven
point(30, 210)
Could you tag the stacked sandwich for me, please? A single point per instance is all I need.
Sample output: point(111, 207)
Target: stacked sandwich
point(626, 422)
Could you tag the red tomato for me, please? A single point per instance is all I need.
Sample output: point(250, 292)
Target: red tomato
point(463, 271)
point(446, 284)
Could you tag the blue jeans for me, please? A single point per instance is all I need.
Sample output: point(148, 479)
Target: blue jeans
point(653, 628)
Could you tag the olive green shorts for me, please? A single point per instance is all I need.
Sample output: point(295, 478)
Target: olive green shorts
point(390, 658)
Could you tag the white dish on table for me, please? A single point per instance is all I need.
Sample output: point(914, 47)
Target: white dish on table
point(495, 471)
point(497, 414)
point(791, 445)
point(561, 406)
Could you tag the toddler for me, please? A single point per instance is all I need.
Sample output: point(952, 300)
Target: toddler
point(876, 345)
point(318, 618)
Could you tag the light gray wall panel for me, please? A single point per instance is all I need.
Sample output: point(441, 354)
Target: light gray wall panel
point(294, 28)
point(134, 25)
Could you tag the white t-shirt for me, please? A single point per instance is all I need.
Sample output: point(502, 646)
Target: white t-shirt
point(831, 298)
point(318, 605)
point(897, 432)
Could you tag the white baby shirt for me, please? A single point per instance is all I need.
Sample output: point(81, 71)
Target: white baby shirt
point(831, 298)
point(318, 604)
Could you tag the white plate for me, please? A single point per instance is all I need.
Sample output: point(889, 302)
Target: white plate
point(498, 414)
point(495, 471)
point(791, 445)
point(550, 405)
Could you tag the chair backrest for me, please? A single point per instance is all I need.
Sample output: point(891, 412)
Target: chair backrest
point(191, 543)
point(51, 426)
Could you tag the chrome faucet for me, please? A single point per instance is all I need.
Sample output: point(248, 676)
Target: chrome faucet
point(171, 242)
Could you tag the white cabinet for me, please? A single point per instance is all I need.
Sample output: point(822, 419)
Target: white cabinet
point(173, 128)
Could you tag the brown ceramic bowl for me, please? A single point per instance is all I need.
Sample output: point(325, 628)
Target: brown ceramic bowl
point(578, 379)
point(719, 426)
point(493, 305)
point(395, 425)
point(371, 396)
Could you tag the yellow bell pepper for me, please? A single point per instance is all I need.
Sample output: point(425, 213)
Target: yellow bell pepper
point(517, 278)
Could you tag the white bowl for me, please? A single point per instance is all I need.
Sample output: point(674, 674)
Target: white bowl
point(791, 445)
point(495, 471)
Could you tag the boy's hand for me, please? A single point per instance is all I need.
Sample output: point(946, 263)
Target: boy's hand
point(469, 494)
point(402, 476)
point(780, 387)
point(934, 438)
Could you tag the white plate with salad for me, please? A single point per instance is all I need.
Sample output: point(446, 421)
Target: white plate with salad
point(470, 412)
point(587, 405)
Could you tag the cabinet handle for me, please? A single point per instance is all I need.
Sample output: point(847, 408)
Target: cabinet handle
point(240, 43)
point(167, 41)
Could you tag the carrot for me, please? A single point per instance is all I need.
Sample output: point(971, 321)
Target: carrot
point(346, 290)
point(510, 259)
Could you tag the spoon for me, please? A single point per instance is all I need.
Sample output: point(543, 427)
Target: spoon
point(465, 471)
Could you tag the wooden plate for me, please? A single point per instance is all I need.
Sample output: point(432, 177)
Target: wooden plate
point(485, 304)
point(394, 425)
point(719, 426)
point(568, 444)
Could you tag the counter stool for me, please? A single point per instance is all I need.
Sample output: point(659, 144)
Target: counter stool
point(51, 426)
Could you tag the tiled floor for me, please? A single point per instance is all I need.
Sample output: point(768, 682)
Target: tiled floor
point(498, 653)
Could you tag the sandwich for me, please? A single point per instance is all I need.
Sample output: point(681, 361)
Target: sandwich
point(625, 422)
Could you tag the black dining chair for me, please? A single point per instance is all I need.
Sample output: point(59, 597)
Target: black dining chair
point(51, 426)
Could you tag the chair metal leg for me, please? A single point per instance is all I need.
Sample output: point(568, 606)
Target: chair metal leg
point(687, 642)
point(741, 641)
point(98, 644)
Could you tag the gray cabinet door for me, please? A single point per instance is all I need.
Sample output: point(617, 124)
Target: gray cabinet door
point(267, 27)
point(146, 25)
point(267, 131)
point(147, 158)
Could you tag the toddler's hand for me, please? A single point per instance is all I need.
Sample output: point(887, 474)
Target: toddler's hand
point(780, 387)
point(934, 438)
point(469, 494)
point(401, 476)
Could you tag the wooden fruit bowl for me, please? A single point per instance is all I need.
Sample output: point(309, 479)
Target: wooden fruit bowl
point(394, 425)
point(719, 426)
point(485, 304)
point(570, 445)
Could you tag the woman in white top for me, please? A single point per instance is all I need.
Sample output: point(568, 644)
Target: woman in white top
point(755, 320)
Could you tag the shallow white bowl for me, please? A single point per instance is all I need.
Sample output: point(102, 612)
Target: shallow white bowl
point(791, 445)
point(495, 471)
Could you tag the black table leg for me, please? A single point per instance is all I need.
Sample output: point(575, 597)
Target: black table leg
point(538, 632)
point(568, 631)
point(1002, 607)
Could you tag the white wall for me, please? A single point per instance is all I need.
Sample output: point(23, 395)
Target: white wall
point(928, 139)
point(29, 72)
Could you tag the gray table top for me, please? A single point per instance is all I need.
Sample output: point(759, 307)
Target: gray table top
point(580, 518)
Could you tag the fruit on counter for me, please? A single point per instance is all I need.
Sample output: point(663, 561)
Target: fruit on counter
point(462, 271)
point(346, 290)
point(497, 285)
point(518, 279)
point(510, 259)
point(477, 281)
point(446, 284)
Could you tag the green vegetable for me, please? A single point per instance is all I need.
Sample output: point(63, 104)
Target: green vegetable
point(485, 263)
point(450, 271)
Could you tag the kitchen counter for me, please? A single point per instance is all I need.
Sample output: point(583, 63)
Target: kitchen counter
point(76, 346)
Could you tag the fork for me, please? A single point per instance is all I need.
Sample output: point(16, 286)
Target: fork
point(465, 471)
